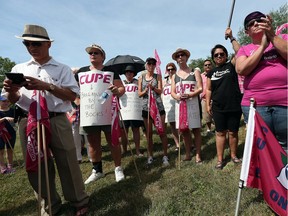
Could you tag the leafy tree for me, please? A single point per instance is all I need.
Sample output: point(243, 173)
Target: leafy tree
point(279, 17)
point(5, 66)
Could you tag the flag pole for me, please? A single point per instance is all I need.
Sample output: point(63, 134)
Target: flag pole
point(39, 167)
point(179, 149)
point(13, 152)
point(46, 169)
point(126, 135)
point(247, 151)
point(230, 17)
point(148, 121)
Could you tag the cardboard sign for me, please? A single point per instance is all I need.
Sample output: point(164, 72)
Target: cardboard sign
point(169, 104)
point(92, 85)
point(130, 103)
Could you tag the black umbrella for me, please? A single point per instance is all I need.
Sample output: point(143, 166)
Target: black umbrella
point(120, 62)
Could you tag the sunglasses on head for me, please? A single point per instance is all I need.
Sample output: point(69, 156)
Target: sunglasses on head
point(94, 53)
point(252, 22)
point(180, 55)
point(222, 54)
point(151, 63)
point(34, 43)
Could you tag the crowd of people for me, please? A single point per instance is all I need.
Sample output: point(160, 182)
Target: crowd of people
point(215, 94)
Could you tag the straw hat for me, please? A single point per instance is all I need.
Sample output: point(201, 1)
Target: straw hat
point(180, 50)
point(35, 33)
point(95, 46)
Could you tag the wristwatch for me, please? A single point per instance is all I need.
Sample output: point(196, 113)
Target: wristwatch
point(51, 88)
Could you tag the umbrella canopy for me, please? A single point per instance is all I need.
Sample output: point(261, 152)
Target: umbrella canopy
point(120, 62)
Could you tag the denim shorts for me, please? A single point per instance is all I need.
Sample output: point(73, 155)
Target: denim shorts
point(276, 119)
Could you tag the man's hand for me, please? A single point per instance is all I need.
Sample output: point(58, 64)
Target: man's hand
point(36, 84)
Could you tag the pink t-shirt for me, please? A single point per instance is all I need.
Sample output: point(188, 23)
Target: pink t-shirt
point(267, 84)
point(204, 82)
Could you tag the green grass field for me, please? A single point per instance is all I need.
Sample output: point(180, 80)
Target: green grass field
point(192, 190)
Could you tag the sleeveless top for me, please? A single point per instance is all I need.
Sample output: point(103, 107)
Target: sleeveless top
point(154, 83)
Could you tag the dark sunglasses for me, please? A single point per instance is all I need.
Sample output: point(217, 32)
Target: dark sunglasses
point(180, 55)
point(34, 43)
point(252, 22)
point(151, 63)
point(206, 65)
point(222, 54)
point(94, 53)
point(170, 69)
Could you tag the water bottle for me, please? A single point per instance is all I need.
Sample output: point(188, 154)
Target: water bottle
point(104, 96)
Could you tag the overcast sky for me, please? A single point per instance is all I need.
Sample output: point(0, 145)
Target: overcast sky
point(134, 27)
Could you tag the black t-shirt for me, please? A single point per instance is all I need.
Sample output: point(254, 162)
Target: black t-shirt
point(87, 68)
point(225, 90)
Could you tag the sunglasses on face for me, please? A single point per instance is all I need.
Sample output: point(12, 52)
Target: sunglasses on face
point(252, 22)
point(207, 65)
point(34, 43)
point(222, 54)
point(180, 55)
point(151, 63)
point(94, 53)
point(170, 69)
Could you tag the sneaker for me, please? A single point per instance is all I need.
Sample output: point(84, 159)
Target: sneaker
point(165, 161)
point(119, 175)
point(4, 170)
point(150, 160)
point(94, 176)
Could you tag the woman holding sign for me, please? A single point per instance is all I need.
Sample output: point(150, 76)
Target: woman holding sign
point(169, 102)
point(150, 89)
point(96, 117)
point(131, 110)
point(186, 87)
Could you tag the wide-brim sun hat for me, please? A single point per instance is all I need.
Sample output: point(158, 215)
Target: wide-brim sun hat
point(34, 33)
point(187, 53)
point(95, 46)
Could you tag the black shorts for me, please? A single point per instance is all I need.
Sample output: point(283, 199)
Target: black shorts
point(227, 121)
point(145, 113)
point(132, 123)
point(87, 130)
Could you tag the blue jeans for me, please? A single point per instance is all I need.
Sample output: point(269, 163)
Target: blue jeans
point(276, 119)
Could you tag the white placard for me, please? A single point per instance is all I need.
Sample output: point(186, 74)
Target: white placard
point(192, 105)
point(169, 104)
point(92, 85)
point(130, 103)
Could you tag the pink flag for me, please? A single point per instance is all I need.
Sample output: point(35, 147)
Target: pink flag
point(155, 115)
point(4, 133)
point(158, 63)
point(281, 28)
point(183, 116)
point(115, 126)
point(38, 111)
point(266, 166)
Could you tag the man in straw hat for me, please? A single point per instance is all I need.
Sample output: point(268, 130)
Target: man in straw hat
point(43, 73)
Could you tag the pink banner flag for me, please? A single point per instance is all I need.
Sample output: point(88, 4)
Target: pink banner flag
point(158, 63)
point(266, 166)
point(155, 115)
point(115, 126)
point(183, 116)
point(4, 133)
point(281, 28)
point(38, 111)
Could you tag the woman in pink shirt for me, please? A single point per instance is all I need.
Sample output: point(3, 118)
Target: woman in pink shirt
point(264, 65)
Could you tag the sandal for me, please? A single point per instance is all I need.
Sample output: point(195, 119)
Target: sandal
point(219, 165)
point(236, 160)
point(199, 162)
point(82, 211)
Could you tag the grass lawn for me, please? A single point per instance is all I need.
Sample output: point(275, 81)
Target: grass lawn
point(192, 190)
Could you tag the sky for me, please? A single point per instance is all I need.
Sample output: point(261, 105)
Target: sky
point(133, 27)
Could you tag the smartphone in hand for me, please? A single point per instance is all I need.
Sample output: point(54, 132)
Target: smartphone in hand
point(17, 78)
